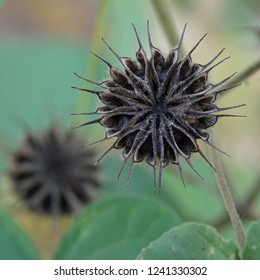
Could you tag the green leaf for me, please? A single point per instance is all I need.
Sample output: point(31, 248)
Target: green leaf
point(117, 228)
point(252, 247)
point(14, 243)
point(2, 2)
point(190, 241)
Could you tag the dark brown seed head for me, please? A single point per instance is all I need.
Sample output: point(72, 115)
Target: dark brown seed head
point(52, 172)
point(158, 107)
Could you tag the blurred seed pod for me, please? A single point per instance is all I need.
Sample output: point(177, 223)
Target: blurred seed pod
point(53, 173)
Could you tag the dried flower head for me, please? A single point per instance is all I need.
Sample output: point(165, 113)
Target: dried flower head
point(52, 173)
point(158, 108)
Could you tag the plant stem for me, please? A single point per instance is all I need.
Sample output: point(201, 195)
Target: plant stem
point(244, 207)
point(164, 17)
point(227, 196)
point(245, 74)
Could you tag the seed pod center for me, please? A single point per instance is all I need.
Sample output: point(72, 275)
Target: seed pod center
point(159, 108)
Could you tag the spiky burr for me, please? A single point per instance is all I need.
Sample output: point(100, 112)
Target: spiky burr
point(158, 107)
point(52, 173)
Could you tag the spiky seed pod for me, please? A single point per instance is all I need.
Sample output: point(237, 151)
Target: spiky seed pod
point(52, 172)
point(158, 108)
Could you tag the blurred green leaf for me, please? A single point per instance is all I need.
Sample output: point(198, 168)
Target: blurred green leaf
point(141, 182)
point(185, 201)
point(117, 228)
point(1, 2)
point(40, 92)
point(190, 241)
point(14, 243)
point(252, 248)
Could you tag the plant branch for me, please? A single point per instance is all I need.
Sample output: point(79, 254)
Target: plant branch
point(227, 196)
point(245, 74)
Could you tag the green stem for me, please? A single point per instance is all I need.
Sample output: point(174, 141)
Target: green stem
point(227, 196)
point(245, 74)
point(164, 17)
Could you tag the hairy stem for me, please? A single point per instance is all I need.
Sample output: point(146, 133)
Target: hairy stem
point(244, 207)
point(165, 19)
point(227, 196)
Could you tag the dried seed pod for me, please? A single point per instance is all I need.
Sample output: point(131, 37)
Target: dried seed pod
point(158, 108)
point(52, 172)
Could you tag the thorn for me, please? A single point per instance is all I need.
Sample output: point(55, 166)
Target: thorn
point(102, 59)
point(87, 123)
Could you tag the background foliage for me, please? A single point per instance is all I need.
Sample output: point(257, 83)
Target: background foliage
point(41, 44)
